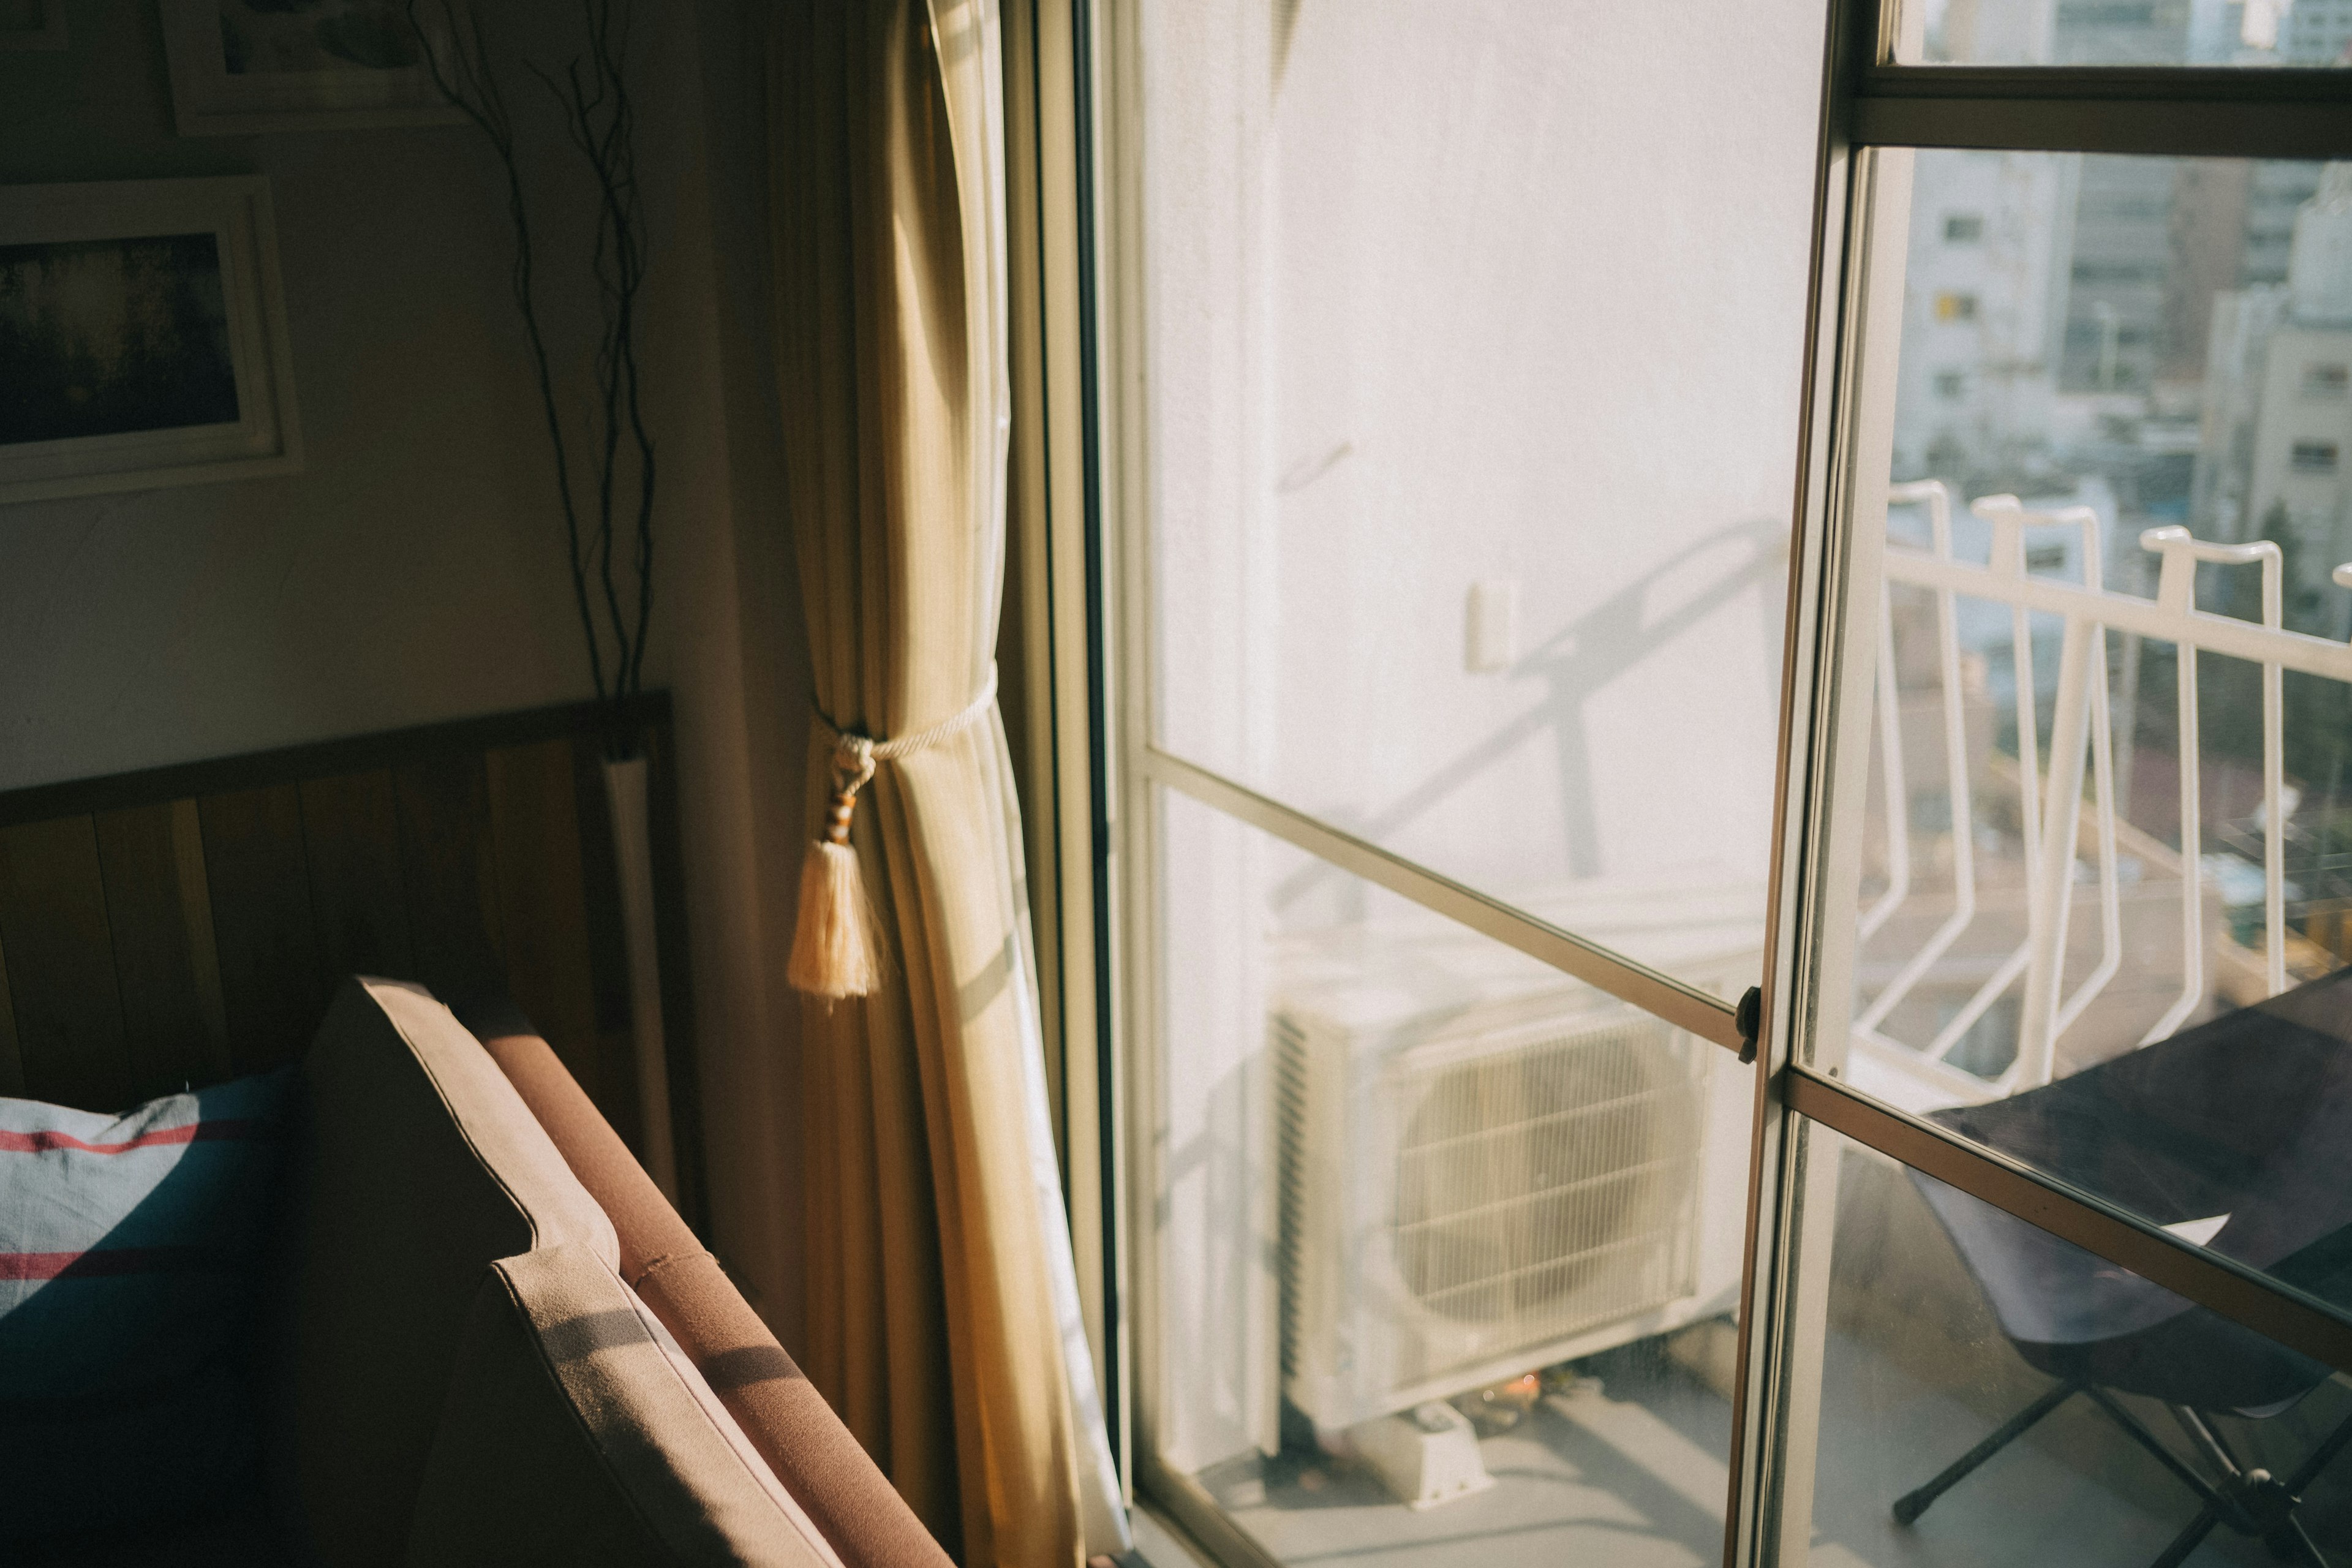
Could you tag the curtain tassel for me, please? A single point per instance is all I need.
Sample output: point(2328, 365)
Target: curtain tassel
point(837, 943)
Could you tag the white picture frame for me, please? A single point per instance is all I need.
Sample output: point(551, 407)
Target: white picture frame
point(239, 71)
point(33, 24)
point(183, 275)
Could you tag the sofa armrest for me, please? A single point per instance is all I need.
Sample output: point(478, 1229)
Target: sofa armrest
point(787, 1420)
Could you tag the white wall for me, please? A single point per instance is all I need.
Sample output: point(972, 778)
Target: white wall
point(1525, 301)
point(1435, 293)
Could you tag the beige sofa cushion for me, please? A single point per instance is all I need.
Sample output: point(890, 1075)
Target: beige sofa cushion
point(576, 1433)
point(416, 1167)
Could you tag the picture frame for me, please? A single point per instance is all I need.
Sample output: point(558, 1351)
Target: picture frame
point(242, 68)
point(32, 23)
point(142, 338)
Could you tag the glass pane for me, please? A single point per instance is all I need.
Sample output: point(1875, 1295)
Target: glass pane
point(2126, 33)
point(1447, 1244)
point(1470, 459)
point(2100, 922)
point(1943, 1322)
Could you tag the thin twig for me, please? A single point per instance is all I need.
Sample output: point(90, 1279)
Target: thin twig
point(600, 121)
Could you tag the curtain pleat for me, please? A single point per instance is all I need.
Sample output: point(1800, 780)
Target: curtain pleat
point(940, 1299)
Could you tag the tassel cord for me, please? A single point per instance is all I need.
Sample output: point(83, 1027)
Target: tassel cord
point(836, 946)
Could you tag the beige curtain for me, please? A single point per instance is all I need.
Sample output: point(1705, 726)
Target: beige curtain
point(941, 1309)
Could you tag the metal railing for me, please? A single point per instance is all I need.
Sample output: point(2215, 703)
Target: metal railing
point(2052, 815)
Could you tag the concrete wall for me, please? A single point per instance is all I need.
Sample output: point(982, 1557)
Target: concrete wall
point(1440, 295)
point(415, 570)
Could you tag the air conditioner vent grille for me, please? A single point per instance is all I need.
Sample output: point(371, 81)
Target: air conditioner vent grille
point(1290, 1100)
point(1546, 1188)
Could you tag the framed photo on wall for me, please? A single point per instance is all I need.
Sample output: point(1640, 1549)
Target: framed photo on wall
point(32, 23)
point(142, 338)
point(240, 66)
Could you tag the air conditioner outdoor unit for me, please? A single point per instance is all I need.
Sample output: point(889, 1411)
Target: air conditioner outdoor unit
point(1472, 1191)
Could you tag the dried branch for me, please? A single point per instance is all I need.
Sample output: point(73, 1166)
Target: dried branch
point(600, 121)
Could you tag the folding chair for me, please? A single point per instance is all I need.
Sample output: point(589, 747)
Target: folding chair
point(2247, 1117)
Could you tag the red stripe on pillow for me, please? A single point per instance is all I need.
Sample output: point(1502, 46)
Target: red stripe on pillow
point(192, 1132)
point(113, 1260)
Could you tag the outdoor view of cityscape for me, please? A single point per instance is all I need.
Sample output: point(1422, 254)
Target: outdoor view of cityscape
point(2165, 343)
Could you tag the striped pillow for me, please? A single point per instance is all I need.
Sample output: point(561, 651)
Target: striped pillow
point(129, 1251)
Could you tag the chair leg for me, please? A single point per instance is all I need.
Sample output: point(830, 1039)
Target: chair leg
point(2213, 1496)
point(2186, 1542)
point(2256, 1503)
point(1912, 1504)
point(2319, 1458)
point(2285, 1537)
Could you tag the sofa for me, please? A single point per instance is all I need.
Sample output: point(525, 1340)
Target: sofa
point(487, 1338)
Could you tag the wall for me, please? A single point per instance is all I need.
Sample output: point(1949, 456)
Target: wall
point(414, 571)
point(409, 573)
point(1432, 297)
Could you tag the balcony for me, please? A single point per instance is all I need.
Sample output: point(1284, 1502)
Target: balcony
point(2056, 876)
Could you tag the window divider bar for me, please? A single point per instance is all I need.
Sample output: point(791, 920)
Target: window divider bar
point(1684, 1006)
point(2263, 86)
point(2179, 127)
point(2243, 1295)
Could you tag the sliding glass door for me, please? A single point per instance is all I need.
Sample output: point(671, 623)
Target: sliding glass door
point(1458, 351)
point(1725, 675)
point(2054, 1260)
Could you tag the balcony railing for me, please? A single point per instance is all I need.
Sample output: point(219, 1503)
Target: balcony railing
point(2064, 850)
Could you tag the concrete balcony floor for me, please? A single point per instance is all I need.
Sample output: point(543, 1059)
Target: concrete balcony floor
point(1631, 1474)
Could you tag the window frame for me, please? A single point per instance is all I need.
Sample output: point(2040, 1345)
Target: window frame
point(1875, 113)
point(1086, 766)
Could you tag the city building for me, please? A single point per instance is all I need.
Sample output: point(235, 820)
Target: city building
point(2303, 424)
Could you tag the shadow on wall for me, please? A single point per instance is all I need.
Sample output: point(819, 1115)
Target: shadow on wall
point(1577, 663)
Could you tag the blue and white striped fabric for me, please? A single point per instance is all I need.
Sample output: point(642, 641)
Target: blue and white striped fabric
point(128, 1249)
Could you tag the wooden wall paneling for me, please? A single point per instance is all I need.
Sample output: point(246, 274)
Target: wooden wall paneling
point(351, 838)
point(600, 903)
point(275, 986)
point(448, 873)
point(676, 977)
point(12, 1066)
point(196, 913)
point(174, 1033)
point(61, 983)
point(542, 913)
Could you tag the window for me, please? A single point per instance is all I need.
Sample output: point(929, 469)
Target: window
point(2325, 381)
point(2093, 586)
point(1450, 822)
point(2257, 33)
point(1444, 594)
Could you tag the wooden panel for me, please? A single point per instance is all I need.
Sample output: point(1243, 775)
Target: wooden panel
point(173, 1030)
point(198, 926)
point(61, 984)
point(12, 1066)
point(350, 838)
point(535, 822)
point(196, 911)
point(447, 868)
point(274, 985)
point(322, 758)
